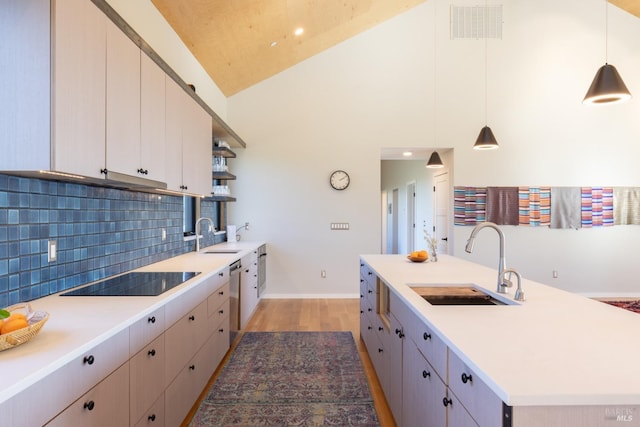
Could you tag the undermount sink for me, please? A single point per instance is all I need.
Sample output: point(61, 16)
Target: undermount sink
point(222, 251)
point(465, 294)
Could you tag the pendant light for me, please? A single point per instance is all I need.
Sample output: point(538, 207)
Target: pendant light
point(607, 86)
point(486, 140)
point(435, 162)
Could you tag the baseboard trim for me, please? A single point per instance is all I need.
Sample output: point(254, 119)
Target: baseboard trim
point(309, 296)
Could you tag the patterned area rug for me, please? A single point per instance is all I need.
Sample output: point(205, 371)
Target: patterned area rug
point(290, 379)
point(627, 305)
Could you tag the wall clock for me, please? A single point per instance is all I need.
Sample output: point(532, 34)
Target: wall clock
point(339, 180)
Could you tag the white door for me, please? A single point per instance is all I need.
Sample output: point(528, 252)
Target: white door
point(395, 235)
point(441, 210)
point(411, 216)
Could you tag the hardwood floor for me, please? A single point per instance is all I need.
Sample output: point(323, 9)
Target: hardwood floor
point(316, 315)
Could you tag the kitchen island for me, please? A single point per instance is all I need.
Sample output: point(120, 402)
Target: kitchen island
point(145, 358)
point(555, 359)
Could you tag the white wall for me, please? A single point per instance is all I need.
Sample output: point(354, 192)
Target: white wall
point(149, 23)
point(337, 109)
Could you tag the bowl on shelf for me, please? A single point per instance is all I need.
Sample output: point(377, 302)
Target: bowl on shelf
point(35, 319)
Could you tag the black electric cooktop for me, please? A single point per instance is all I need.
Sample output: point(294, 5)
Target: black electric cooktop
point(134, 284)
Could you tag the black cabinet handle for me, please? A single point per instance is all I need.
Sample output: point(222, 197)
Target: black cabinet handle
point(370, 310)
point(426, 336)
point(369, 328)
point(221, 311)
point(104, 171)
point(143, 171)
point(426, 374)
point(380, 328)
point(466, 378)
point(446, 402)
point(192, 367)
point(370, 291)
point(151, 417)
point(152, 319)
point(152, 352)
point(88, 360)
point(380, 350)
point(370, 273)
point(221, 274)
point(221, 293)
point(221, 330)
point(399, 333)
point(89, 405)
point(192, 317)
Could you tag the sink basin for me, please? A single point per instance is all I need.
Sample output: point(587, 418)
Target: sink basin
point(466, 294)
point(223, 251)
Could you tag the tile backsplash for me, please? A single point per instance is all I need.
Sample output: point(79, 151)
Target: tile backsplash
point(99, 232)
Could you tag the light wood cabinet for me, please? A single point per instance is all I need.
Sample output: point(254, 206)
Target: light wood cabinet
point(147, 381)
point(123, 103)
point(107, 404)
point(188, 143)
point(154, 416)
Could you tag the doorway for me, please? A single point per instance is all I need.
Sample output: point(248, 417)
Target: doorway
point(411, 217)
point(441, 210)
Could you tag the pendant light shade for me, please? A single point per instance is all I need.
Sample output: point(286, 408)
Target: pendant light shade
point(486, 140)
point(434, 161)
point(607, 87)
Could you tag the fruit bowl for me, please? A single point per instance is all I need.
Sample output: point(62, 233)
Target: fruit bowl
point(35, 319)
point(417, 258)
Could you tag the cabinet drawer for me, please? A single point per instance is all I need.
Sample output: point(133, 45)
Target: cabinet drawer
point(77, 376)
point(154, 416)
point(145, 330)
point(217, 298)
point(483, 405)
point(458, 416)
point(423, 391)
point(182, 393)
point(183, 304)
point(147, 377)
point(184, 338)
point(107, 404)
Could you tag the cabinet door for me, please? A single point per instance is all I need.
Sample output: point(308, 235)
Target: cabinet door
point(123, 102)
point(152, 119)
point(483, 405)
point(25, 83)
point(154, 416)
point(174, 107)
point(147, 377)
point(79, 84)
point(422, 391)
point(197, 146)
point(107, 404)
point(248, 294)
point(457, 415)
point(393, 391)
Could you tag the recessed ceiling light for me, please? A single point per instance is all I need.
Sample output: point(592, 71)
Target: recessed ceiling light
point(273, 44)
point(298, 31)
point(407, 154)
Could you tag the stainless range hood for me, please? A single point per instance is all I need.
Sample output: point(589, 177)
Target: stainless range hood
point(131, 182)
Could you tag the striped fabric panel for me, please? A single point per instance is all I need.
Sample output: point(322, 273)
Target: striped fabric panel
point(469, 205)
point(534, 206)
point(596, 206)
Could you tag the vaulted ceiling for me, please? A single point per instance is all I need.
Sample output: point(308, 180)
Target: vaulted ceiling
point(242, 42)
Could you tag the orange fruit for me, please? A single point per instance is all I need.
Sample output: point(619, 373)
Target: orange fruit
point(16, 316)
point(14, 324)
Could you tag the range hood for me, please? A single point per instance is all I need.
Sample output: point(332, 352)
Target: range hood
point(131, 182)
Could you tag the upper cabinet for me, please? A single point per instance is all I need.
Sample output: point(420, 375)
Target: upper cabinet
point(79, 88)
point(87, 99)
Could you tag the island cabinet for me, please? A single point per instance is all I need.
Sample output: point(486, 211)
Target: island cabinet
point(424, 381)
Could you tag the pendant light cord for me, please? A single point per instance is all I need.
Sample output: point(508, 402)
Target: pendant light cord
point(486, 72)
point(606, 31)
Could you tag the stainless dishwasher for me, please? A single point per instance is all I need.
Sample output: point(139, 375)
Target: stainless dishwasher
point(234, 300)
point(262, 269)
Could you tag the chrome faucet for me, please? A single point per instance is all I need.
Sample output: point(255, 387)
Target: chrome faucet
point(519, 296)
point(211, 228)
point(503, 284)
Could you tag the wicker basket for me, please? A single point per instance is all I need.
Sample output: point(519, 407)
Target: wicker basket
point(37, 319)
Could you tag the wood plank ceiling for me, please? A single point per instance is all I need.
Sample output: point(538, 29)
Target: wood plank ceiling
point(234, 39)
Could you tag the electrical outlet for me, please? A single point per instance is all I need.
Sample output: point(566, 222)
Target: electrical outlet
point(164, 234)
point(323, 274)
point(555, 274)
point(52, 251)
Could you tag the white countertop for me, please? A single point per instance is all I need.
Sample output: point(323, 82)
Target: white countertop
point(77, 324)
point(556, 348)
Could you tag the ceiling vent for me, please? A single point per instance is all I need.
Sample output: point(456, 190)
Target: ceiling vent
point(476, 22)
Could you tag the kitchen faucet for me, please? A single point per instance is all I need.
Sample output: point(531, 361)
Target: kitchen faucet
point(503, 284)
point(211, 228)
point(519, 296)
